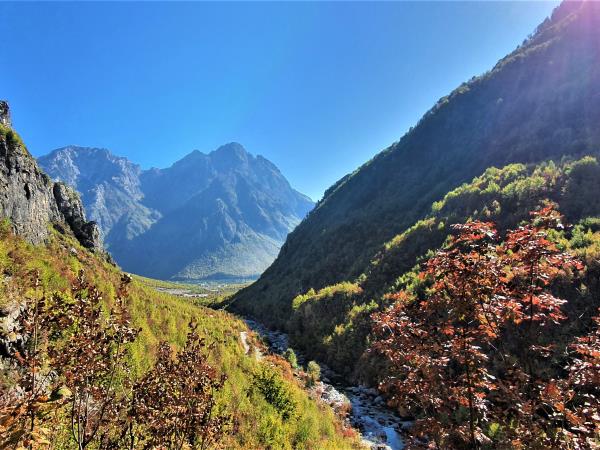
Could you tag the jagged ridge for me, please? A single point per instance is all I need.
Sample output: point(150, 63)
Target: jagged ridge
point(222, 215)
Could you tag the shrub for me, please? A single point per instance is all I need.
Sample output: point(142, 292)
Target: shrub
point(73, 373)
point(290, 357)
point(314, 373)
point(270, 384)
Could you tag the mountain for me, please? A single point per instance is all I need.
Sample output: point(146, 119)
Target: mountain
point(334, 324)
point(540, 102)
point(109, 185)
point(30, 200)
point(222, 215)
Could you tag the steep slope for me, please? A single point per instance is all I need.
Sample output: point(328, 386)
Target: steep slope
point(219, 215)
point(30, 200)
point(40, 263)
point(159, 316)
point(333, 324)
point(542, 101)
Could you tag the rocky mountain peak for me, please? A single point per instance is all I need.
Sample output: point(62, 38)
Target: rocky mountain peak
point(230, 155)
point(223, 213)
point(232, 148)
point(4, 114)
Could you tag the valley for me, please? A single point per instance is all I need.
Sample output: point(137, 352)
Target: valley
point(445, 294)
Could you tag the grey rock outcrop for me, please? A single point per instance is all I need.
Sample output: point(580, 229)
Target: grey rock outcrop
point(4, 114)
point(31, 200)
point(70, 206)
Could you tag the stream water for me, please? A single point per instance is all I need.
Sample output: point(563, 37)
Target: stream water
point(379, 426)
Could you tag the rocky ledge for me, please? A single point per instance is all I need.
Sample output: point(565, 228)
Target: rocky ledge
point(31, 200)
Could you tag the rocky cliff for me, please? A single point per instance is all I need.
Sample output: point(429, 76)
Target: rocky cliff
point(31, 200)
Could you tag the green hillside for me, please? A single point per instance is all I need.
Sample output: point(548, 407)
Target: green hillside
point(255, 422)
point(541, 102)
point(334, 323)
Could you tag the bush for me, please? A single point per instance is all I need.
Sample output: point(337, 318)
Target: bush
point(314, 373)
point(290, 357)
point(73, 373)
point(272, 387)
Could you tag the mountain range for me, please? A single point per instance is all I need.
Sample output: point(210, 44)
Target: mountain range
point(220, 216)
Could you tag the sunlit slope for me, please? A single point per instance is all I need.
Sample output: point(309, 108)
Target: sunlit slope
point(160, 316)
point(334, 324)
point(540, 102)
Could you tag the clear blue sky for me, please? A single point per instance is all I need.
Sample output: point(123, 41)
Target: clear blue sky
point(317, 88)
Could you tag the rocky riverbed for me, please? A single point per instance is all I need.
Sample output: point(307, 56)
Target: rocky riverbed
point(380, 427)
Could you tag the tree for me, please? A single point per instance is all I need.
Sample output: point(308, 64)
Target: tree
point(465, 359)
point(173, 405)
point(290, 357)
point(314, 372)
point(270, 384)
point(71, 372)
point(72, 356)
point(93, 361)
point(583, 392)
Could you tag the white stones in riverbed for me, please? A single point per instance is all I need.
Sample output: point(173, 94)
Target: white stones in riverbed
point(379, 426)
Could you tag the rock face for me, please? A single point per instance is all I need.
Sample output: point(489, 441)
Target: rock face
point(222, 215)
point(110, 188)
point(4, 114)
point(31, 200)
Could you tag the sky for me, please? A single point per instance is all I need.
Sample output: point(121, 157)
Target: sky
point(317, 88)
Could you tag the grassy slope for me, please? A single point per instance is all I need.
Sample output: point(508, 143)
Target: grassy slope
point(164, 317)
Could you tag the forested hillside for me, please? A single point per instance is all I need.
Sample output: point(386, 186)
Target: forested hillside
point(541, 102)
point(397, 325)
point(334, 323)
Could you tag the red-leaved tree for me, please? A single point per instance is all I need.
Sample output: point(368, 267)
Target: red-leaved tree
point(470, 360)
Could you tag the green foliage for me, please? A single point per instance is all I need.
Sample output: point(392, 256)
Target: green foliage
point(270, 384)
point(333, 324)
point(290, 356)
point(313, 371)
point(316, 315)
point(12, 138)
point(161, 316)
